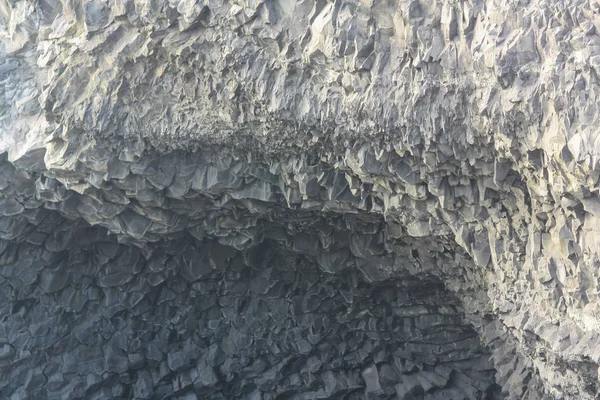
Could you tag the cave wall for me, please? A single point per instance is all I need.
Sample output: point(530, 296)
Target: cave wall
point(87, 317)
point(447, 144)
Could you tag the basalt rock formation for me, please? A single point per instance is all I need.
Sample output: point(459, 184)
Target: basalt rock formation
point(299, 199)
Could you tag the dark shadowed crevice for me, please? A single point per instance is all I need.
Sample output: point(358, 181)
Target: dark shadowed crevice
point(92, 318)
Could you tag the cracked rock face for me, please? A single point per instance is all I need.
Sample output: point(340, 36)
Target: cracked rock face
point(298, 199)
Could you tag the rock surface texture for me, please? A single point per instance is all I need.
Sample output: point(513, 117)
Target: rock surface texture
point(299, 199)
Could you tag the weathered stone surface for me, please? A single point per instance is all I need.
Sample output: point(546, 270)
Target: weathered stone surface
point(299, 199)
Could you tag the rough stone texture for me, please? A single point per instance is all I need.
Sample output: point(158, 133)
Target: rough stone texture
point(299, 199)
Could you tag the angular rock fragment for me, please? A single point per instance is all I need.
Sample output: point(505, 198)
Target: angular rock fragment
point(53, 280)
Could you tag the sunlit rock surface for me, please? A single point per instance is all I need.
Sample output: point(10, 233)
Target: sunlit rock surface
point(299, 199)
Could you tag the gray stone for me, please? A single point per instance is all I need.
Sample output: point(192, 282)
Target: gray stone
point(371, 378)
point(53, 280)
point(143, 387)
point(417, 183)
point(206, 376)
point(6, 351)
